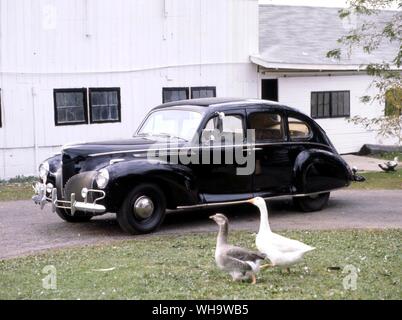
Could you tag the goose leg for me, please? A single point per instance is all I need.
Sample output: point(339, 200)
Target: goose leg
point(253, 279)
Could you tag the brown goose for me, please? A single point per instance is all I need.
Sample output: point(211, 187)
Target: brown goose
point(240, 263)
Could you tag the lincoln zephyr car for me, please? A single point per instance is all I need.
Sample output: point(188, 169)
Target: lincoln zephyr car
point(140, 178)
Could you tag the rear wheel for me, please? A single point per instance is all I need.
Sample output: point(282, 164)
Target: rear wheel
point(78, 216)
point(143, 209)
point(312, 203)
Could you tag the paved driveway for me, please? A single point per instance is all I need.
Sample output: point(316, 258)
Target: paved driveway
point(363, 163)
point(24, 228)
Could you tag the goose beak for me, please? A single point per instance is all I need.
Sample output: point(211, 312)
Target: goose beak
point(252, 201)
point(212, 217)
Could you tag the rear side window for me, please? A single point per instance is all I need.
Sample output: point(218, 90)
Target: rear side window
point(298, 130)
point(267, 126)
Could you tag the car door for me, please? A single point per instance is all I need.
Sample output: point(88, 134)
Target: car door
point(273, 167)
point(218, 179)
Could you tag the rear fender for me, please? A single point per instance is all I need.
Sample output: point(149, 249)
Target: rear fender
point(319, 170)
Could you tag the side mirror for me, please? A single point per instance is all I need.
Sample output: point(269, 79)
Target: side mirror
point(221, 115)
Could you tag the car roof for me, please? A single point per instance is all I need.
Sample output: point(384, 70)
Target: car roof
point(221, 102)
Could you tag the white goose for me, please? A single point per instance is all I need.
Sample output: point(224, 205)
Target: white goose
point(281, 251)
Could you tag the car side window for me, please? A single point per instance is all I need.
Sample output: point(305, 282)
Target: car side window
point(268, 126)
point(230, 129)
point(298, 129)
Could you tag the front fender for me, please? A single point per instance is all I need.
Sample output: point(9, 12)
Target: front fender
point(319, 170)
point(176, 181)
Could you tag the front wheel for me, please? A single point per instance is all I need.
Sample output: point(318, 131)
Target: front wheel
point(78, 216)
point(143, 209)
point(312, 203)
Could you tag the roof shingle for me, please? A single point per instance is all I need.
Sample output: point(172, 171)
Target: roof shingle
point(303, 35)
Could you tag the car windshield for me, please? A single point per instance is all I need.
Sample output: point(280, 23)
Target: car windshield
point(172, 123)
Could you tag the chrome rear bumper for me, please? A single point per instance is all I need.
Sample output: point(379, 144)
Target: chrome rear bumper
point(42, 196)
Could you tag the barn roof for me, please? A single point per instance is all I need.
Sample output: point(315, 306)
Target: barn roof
point(298, 37)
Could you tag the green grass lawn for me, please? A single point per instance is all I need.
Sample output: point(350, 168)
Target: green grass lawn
point(18, 188)
point(182, 267)
point(16, 191)
point(380, 180)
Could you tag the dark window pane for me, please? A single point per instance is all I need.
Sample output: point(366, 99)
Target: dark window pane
point(334, 104)
point(70, 106)
point(327, 112)
point(174, 94)
point(267, 126)
point(195, 94)
point(203, 92)
point(330, 104)
point(341, 103)
point(314, 104)
point(320, 105)
point(166, 96)
point(346, 104)
point(105, 105)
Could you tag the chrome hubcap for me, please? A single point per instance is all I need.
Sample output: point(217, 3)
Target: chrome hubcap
point(143, 207)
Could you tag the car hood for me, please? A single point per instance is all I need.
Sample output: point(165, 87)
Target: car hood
point(136, 143)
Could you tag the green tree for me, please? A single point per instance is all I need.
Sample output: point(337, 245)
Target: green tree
point(387, 76)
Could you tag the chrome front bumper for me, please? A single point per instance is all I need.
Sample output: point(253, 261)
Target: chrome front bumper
point(42, 196)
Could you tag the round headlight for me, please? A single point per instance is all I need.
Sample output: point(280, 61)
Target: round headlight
point(102, 178)
point(84, 192)
point(44, 170)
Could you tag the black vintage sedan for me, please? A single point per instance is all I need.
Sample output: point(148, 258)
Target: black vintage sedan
point(195, 154)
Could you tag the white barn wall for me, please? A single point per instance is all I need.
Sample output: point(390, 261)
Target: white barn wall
point(140, 91)
point(347, 137)
point(77, 36)
point(139, 46)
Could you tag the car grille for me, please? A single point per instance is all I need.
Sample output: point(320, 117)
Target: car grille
point(79, 181)
point(70, 167)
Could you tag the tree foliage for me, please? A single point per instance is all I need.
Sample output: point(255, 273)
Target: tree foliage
point(387, 76)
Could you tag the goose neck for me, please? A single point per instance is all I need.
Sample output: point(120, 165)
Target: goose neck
point(264, 223)
point(222, 234)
